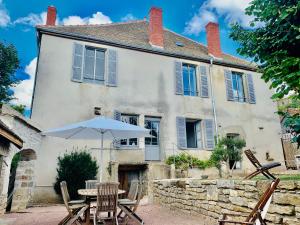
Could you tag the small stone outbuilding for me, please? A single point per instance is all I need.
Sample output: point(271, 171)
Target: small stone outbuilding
point(17, 135)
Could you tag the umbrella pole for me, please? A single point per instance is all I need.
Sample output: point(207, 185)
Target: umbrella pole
point(101, 157)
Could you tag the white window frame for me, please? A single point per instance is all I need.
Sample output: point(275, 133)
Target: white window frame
point(196, 80)
point(127, 146)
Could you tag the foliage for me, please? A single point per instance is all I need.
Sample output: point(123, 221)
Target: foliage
point(292, 118)
point(15, 161)
point(184, 161)
point(75, 168)
point(273, 41)
point(19, 108)
point(9, 63)
point(227, 149)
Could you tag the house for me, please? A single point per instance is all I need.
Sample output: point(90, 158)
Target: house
point(144, 74)
point(18, 135)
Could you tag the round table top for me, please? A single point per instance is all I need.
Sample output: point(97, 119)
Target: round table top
point(93, 192)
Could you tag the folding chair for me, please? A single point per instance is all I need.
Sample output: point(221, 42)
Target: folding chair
point(258, 214)
point(107, 198)
point(75, 208)
point(263, 169)
point(129, 207)
point(132, 194)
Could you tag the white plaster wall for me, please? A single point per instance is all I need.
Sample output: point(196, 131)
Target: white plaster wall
point(145, 87)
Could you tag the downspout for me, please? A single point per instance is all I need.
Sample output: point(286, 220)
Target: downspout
point(213, 101)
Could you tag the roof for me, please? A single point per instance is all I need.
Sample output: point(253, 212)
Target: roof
point(9, 135)
point(134, 35)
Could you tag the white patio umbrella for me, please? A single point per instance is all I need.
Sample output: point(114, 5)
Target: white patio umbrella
point(99, 128)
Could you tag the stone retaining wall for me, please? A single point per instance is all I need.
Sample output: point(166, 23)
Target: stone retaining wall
point(215, 197)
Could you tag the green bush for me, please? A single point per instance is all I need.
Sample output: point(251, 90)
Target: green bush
point(75, 168)
point(184, 161)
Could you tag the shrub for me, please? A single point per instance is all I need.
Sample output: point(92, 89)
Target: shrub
point(75, 168)
point(184, 161)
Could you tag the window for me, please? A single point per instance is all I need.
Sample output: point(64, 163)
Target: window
point(193, 133)
point(131, 119)
point(94, 65)
point(153, 125)
point(238, 87)
point(189, 80)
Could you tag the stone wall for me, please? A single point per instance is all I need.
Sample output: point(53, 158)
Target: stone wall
point(212, 198)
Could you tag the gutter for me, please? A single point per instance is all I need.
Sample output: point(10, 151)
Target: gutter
point(79, 37)
point(213, 101)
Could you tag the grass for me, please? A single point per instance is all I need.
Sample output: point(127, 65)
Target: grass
point(282, 177)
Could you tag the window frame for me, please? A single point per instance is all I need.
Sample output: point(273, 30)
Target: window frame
point(127, 146)
point(237, 98)
point(94, 80)
point(196, 91)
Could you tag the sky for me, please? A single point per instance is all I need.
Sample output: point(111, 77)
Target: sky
point(18, 19)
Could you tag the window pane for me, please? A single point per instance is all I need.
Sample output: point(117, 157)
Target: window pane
point(234, 86)
point(100, 65)
point(148, 141)
point(89, 58)
point(191, 135)
point(193, 89)
point(240, 88)
point(185, 80)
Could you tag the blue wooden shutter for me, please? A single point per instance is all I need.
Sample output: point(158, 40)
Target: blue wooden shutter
point(77, 62)
point(181, 132)
point(178, 78)
point(117, 116)
point(112, 68)
point(100, 65)
point(209, 133)
point(89, 64)
point(228, 82)
point(251, 91)
point(204, 92)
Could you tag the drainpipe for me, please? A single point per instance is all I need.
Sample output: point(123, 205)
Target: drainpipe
point(213, 102)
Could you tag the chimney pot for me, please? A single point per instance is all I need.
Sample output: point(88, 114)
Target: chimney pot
point(51, 16)
point(213, 39)
point(156, 36)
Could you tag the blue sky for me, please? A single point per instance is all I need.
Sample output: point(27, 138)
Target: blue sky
point(188, 17)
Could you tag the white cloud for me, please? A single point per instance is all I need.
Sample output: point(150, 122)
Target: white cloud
point(128, 17)
point(230, 10)
point(40, 19)
point(97, 18)
point(4, 16)
point(23, 91)
point(32, 19)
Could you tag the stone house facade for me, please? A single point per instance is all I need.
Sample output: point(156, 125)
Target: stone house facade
point(18, 135)
point(144, 74)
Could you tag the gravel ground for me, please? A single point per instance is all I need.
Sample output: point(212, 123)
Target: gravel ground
point(152, 215)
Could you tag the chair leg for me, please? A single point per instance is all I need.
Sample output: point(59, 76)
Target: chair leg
point(252, 174)
point(271, 175)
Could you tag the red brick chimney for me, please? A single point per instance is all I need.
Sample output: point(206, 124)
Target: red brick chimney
point(51, 16)
point(213, 39)
point(156, 33)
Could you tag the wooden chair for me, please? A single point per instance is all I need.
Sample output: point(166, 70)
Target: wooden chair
point(107, 198)
point(129, 206)
point(75, 208)
point(258, 214)
point(91, 184)
point(263, 169)
point(132, 194)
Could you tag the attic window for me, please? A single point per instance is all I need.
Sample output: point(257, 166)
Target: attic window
point(180, 44)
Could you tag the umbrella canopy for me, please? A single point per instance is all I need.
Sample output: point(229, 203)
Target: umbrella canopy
point(99, 128)
point(92, 129)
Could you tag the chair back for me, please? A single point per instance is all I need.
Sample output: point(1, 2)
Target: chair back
point(261, 208)
point(65, 195)
point(133, 190)
point(91, 184)
point(252, 158)
point(139, 196)
point(107, 197)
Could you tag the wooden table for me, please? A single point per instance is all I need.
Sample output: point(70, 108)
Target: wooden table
point(91, 194)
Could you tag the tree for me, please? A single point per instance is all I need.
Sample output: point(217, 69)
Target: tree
point(9, 63)
point(19, 108)
point(228, 152)
point(274, 43)
point(75, 168)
